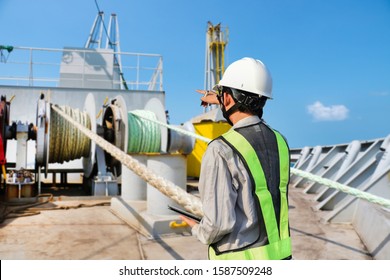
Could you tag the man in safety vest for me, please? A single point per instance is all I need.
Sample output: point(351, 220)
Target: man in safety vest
point(245, 173)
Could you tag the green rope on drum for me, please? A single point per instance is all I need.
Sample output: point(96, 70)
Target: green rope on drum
point(144, 136)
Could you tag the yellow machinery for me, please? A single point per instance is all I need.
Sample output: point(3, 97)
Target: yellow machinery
point(209, 129)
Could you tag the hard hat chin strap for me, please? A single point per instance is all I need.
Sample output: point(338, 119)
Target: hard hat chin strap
point(227, 114)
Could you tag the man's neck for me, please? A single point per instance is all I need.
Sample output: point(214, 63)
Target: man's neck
point(237, 116)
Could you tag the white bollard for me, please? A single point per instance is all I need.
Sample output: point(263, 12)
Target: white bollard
point(133, 187)
point(172, 168)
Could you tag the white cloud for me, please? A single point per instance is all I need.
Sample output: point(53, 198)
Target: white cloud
point(321, 112)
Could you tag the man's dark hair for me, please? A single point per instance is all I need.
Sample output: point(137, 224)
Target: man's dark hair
point(247, 102)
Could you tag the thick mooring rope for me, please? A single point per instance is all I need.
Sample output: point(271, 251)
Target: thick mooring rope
point(340, 187)
point(66, 141)
point(190, 202)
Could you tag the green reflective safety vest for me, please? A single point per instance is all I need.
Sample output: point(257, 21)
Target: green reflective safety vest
point(279, 246)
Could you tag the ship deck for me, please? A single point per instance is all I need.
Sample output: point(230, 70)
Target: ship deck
point(85, 228)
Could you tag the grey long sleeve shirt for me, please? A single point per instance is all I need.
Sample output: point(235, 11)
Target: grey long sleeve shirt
point(230, 217)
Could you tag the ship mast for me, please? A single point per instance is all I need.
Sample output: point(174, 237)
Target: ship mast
point(112, 42)
point(216, 41)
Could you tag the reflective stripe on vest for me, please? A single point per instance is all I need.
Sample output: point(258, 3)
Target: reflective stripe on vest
point(279, 246)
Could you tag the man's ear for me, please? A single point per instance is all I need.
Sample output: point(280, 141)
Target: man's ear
point(229, 101)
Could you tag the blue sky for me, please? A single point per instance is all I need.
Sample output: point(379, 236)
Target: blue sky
point(330, 60)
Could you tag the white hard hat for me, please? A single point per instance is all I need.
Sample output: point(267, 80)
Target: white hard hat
point(250, 75)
